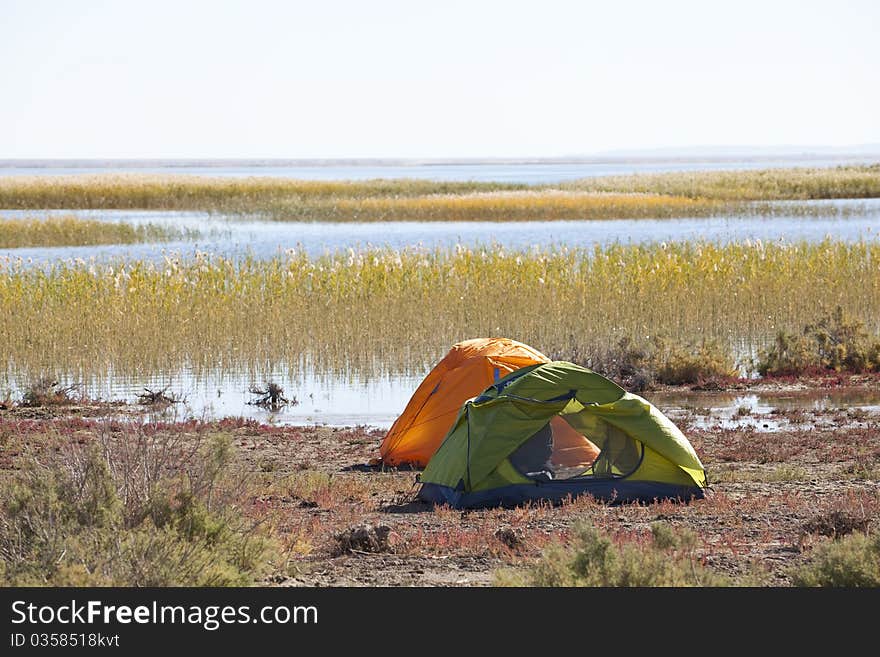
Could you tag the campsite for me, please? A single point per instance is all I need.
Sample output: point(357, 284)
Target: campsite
point(654, 413)
point(457, 295)
point(316, 508)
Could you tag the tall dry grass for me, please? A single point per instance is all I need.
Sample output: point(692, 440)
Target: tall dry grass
point(378, 200)
point(387, 311)
point(75, 231)
point(758, 185)
point(543, 205)
point(128, 191)
point(694, 194)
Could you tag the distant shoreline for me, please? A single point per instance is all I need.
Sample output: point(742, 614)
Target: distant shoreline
point(60, 163)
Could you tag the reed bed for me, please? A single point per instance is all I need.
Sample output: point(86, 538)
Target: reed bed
point(377, 200)
point(696, 194)
point(533, 205)
point(759, 185)
point(75, 231)
point(151, 192)
point(381, 311)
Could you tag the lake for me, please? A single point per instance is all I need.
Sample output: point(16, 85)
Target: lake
point(527, 172)
point(378, 401)
point(233, 237)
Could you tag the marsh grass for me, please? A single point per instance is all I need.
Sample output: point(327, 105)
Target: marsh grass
point(659, 196)
point(378, 200)
point(75, 231)
point(759, 185)
point(203, 193)
point(532, 205)
point(384, 311)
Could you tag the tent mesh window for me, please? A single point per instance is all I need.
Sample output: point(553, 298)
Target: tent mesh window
point(620, 454)
point(577, 445)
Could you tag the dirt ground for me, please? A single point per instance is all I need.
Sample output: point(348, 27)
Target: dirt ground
point(773, 495)
point(762, 502)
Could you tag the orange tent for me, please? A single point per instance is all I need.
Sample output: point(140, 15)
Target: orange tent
point(469, 368)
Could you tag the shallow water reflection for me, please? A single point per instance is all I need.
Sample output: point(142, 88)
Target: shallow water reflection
point(378, 401)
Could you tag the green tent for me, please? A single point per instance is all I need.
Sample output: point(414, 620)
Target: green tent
point(556, 430)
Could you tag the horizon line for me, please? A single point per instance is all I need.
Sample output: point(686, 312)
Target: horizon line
point(687, 154)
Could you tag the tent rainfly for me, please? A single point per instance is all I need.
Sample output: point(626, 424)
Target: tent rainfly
point(464, 372)
point(555, 430)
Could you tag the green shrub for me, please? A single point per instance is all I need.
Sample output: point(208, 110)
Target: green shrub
point(594, 559)
point(86, 518)
point(836, 342)
point(851, 561)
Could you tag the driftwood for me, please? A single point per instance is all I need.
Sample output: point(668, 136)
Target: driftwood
point(271, 397)
point(48, 392)
point(158, 397)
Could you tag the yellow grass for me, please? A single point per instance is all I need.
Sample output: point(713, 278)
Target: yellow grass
point(639, 196)
point(183, 192)
point(393, 311)
point(74, 231)
point(759, 185)
point(518, 205)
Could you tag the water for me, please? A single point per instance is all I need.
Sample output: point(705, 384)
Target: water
point(378, 401)
point(722, 410)
point(849, 220)
point(321, 400)
point(520, 172)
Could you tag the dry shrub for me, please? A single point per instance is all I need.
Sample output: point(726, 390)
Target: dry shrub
point(835, 342)
point(509, 537)
point(638, 367)
point(363, 538)
point(47, 391)
point(836, 523)
point(136, 509)
point(593, 558)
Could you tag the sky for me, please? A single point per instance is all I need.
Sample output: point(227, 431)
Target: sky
point(413, 79)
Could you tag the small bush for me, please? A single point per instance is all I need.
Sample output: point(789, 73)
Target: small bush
point(363, 538)
point(851, 561)
point(626, 363)
point(836, 342)
point(99, 515)
point(692, 363)
point(837, 523)
point(638, 367)
point(594, 559)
